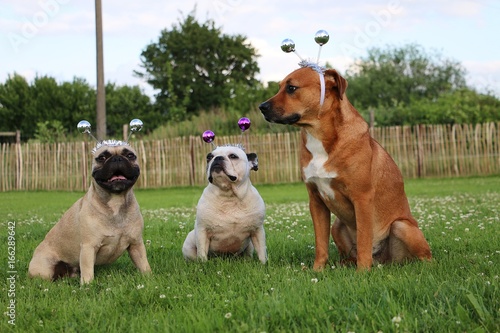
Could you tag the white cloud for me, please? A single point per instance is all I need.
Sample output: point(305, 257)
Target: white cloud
point(463, 8)
point(484, 75)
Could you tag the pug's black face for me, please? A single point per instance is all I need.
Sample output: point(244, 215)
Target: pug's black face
point(115, 169)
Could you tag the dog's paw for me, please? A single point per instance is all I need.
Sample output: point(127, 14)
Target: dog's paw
point(318, 268)
point(202, 258)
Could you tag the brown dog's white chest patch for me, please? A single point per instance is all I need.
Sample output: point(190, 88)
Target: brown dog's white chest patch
point(315, 171)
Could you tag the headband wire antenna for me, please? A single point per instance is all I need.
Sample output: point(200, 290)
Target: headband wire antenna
point(288, 45)
point(208, 136)
point(244, 124)
point(135, 126)
point(321, 38)
point(84, 127)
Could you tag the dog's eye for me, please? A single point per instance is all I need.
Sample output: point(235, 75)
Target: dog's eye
point(233, 156)
point(209, 157)
point(131, 156)
point(101, 158)
point(290, 89)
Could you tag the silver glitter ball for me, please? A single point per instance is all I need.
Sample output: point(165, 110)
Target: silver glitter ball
point(135, 125)
point(287, 45)
point(84, 126)
point(321, 37)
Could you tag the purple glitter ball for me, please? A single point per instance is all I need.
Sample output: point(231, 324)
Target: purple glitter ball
point(208, 136)
point(244, 124)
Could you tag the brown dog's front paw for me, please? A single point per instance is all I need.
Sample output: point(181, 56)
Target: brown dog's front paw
point(362, 269)
point(318, 267)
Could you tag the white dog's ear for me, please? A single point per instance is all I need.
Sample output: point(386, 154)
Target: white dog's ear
point(209, 157)
point(253, 161)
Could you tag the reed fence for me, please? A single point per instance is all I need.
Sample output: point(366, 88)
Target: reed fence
point(419, 151)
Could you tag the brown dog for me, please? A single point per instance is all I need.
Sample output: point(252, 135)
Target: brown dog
point(347, 173)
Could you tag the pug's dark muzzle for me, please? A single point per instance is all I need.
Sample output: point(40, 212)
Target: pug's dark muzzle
point(117, 174)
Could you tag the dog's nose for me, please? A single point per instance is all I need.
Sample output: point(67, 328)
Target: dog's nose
point(265, 107)
point(219, 158)
point(116, 159)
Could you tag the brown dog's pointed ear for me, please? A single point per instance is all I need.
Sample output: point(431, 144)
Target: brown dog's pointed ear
point(253, 161)
point(331, 75)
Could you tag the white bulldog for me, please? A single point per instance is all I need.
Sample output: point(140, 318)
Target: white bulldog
point(230, 213)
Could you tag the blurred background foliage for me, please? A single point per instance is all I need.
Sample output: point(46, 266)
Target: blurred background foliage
point(204, 79)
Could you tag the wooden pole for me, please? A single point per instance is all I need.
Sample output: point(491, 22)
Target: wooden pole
point(101, 93)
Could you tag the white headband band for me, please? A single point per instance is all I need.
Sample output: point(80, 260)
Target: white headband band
point(321, 71)
point(322, 82)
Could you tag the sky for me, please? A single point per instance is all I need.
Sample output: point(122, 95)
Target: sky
point(57, 37)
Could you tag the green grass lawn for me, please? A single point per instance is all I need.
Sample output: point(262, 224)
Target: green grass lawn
point(457, 292)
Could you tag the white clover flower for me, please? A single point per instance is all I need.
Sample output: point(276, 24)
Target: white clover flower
point(228, 315)
point(162, 296)
point(140, 286)
point(314, 280)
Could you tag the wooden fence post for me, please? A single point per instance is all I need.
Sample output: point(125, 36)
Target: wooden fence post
point(192, 162)
point(125, 132)
point(19, 166)
point(420, 150)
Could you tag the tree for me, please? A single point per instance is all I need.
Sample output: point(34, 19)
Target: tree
point(463, 106)
point(45, 106)
point(79, 100)
point(196, 67)
point(408, 86)
point(16, 105)
point(47, 99)
point(398, 75)
point(50, 132)
point(124, 103)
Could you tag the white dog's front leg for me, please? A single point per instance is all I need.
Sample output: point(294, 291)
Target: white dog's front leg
point(202, 244)
point(259, 243)
point(87, 261)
